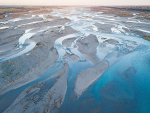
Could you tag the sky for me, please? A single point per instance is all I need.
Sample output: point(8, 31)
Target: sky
point(75, 2)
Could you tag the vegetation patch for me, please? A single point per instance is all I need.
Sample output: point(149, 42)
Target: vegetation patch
point(37, 44)
point(8, 9)
point(1, 16)
point(146, 37)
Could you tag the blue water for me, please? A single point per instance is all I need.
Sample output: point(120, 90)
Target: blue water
point(13, 94)
point(123, 88)
point(73, 71)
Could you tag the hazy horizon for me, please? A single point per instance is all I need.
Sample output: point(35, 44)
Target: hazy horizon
point(76, 3)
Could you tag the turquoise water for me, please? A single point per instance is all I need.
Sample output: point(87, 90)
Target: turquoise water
point(123, 88)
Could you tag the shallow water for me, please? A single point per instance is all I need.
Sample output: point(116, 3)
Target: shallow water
point(125, 83)
point(122, 88)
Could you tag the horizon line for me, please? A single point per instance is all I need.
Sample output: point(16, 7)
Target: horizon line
point(75, 5)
